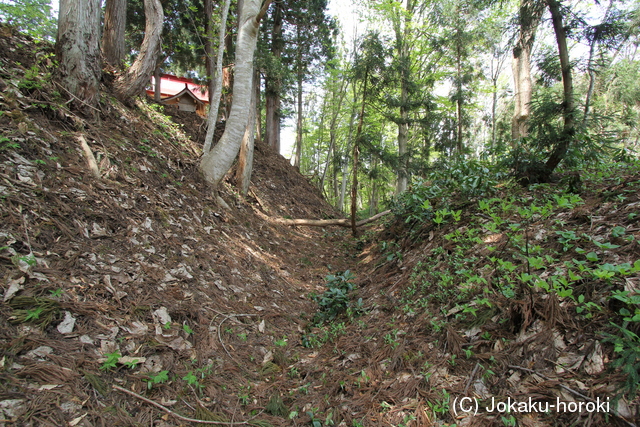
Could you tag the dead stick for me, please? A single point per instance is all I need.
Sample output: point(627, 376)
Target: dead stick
point(91, 160)
point(473, 374)
point(570, 390)
point(174, 414)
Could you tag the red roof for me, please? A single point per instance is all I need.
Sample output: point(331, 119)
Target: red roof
point(171, 85)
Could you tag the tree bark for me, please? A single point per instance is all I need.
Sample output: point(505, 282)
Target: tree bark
point(137, 77)
point(157, 83)
point(591, 69)
point(298, 154)
point(273, 82)
point(113, 46)
point(356, 153)
point(245, 159)
point(209, 37)
point(402, 28)
point(568, 130)
point(530, 16)
point(216, 78)
point(216, 162)
point(78, 50)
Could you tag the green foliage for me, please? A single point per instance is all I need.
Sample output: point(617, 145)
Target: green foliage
point(459, 178)
point(157, 378)
point(626, 346)
point(336, 299)
point(37, 310)
point(7, 144)
point(111, 362)
point(31, 16)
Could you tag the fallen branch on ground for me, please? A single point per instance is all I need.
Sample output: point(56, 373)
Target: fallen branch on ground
point(176, 415)
point(322, 222)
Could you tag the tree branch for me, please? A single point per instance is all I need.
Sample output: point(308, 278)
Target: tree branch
point(322, 222)
point(263, 11)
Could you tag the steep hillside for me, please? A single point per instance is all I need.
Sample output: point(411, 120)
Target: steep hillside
point(140, 263)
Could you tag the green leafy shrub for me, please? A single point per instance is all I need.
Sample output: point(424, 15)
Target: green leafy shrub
point(336, 299)
point(461, 178)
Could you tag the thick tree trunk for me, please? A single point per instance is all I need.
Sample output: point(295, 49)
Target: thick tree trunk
point(273, 82)
point(568, 130)
point(245, 159)
point(216, 78)
point(530, 16)
point(216, 162)
point(137, 77)
point(115, 18)
point(78, 50)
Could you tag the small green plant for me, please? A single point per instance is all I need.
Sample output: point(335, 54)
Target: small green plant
point(441, 406)
point(131, 364)
point(294, 372)
point(315, 422)
point(335, 300)
point(154, 379)
point(626, 346)
point(187, 329)
point(56, 293)
point(111, 362)
point(282, 342)
point(509, 421)
point(391, 339)
point(192, 379)
point(33, 314)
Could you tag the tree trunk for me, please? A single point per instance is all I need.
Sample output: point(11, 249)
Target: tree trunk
point(256, 84)
point(530, 16)
point(78, 50)
point(137, 77)
point(157, 83)
point(273, 82)
point(296, 158)
point(245, 159)
point(216, 162)
point(332, 131)
point(343, 184)
point(216, 78)
point(402, 46)
point(591, 67)
point(568, 130)
point(356, 153)
point(115, 18)
point(209, 37)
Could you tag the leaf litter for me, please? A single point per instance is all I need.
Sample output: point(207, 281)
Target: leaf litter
point(206, 311)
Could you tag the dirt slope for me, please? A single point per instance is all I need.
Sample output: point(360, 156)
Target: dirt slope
point(141, 263)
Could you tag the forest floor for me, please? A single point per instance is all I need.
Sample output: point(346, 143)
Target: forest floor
point(133, 300)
